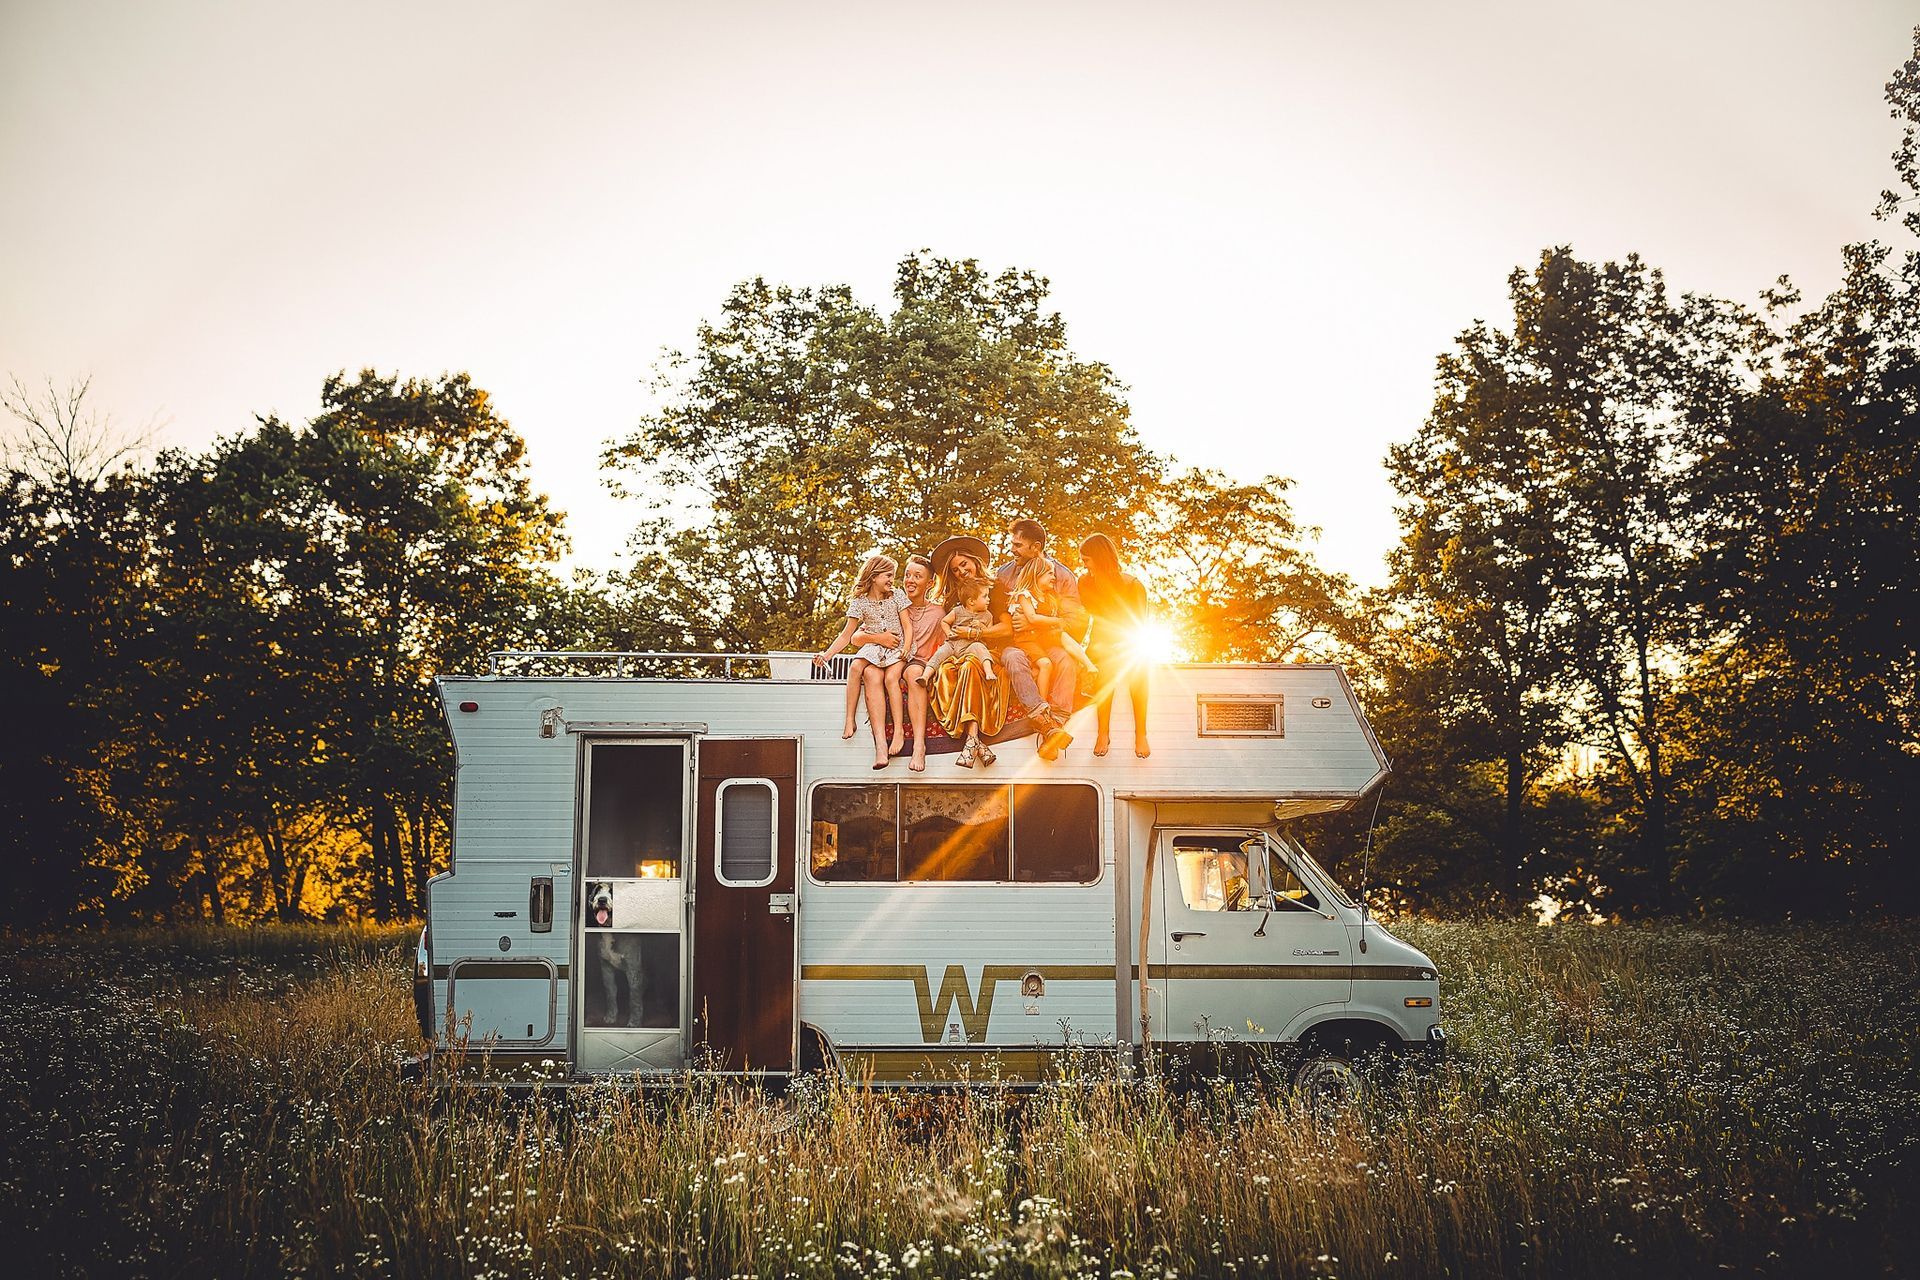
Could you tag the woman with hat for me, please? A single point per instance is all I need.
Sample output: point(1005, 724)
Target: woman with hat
point(970, 707)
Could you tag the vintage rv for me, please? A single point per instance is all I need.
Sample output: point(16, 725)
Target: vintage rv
point(657, 875)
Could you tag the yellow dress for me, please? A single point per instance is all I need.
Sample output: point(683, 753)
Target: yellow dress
point(958, 691)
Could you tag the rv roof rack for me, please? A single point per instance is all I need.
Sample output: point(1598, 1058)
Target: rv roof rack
point(621, 664)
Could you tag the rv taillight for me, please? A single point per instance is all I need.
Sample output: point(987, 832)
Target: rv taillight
point(469, 706)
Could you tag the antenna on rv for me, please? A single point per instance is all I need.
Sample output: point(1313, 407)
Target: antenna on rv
point(1366, 860)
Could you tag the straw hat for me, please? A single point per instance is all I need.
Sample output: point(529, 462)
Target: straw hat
point(962, 545)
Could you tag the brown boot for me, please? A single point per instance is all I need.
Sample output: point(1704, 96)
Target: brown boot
point(1054, 737)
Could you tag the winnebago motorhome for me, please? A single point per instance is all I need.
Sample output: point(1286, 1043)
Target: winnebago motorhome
point(654, 875)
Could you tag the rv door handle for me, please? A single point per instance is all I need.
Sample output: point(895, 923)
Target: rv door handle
point(1183, 935)
point(540, 905)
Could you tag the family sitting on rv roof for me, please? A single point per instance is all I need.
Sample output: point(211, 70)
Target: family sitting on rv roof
point(940, 643)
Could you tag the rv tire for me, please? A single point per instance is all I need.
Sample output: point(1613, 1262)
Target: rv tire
point(1326, 1082)
point(1339, 1065)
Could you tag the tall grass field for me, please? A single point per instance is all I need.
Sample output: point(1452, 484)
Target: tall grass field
point(1620, 1102)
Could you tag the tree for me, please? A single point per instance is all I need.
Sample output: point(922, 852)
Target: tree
point(976, 401)
point(1233, 565)
point(806, 428)
point(72, 617)
point(1903, 104)
point(756, 472)
point(1473, 581)
point(314, 581)
point(60, 443)
point(1549, 546)
point(1804, 729)
point(1622, 371)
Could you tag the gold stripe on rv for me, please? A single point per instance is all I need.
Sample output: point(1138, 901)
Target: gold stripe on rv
point(974, 1013)
point(1296, 972)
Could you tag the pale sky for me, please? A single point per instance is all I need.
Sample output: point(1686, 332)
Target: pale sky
point(1268, 218)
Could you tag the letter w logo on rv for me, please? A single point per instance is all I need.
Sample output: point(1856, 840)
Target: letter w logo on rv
point(974, 1011)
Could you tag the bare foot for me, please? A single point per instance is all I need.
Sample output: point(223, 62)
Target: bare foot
point(919, 762)
point(849, 729)
point(1141, 749)
point(1100, 745)
point(883, 762)
point(895, 747)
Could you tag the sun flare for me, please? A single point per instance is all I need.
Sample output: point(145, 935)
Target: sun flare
point(1152, 642)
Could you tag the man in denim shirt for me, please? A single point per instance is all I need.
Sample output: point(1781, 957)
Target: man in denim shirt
point(1049, 713)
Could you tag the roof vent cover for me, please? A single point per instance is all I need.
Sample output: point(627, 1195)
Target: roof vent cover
point(1242, 715)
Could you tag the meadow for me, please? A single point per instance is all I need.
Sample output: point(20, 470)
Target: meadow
point(1674, 1099)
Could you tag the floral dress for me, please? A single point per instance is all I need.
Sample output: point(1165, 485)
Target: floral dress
point(869, 614)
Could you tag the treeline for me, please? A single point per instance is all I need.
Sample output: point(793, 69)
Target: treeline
point(1648, 642)
point(218, 664)
point(221, 663)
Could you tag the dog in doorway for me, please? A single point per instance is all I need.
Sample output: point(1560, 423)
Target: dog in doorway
point(622, 971)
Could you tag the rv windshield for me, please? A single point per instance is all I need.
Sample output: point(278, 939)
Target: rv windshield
point(1298, 851)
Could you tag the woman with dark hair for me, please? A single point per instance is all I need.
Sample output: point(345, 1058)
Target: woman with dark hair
point(1117, 603)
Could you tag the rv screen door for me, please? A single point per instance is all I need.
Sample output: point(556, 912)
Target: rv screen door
point(743, 904)
point(629, 945)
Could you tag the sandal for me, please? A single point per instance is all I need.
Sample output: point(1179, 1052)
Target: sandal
point(985, 755)
point(965, 758)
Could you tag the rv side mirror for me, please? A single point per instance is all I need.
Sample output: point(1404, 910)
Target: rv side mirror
point(1260, 889)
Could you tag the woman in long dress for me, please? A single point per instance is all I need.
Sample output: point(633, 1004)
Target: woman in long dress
point(970, 707)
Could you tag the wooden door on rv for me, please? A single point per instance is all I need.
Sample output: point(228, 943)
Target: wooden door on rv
point(743, 904)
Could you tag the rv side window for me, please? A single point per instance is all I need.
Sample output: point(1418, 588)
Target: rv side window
point(744, 832)
point(1056, 834)
point(1029, 833)
point(855, 833)
point(1298, 852)
point(1287, 885)
point(1213, 872)
point(634, 807)
point(954, 833)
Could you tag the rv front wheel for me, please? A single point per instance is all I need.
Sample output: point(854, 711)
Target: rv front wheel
point(1326, 1082)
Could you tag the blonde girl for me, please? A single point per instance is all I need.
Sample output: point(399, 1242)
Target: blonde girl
point(878, 623)
point(1036, 602)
